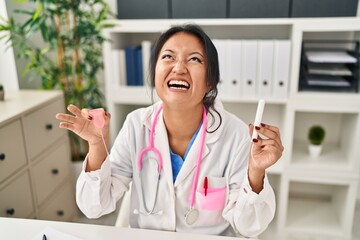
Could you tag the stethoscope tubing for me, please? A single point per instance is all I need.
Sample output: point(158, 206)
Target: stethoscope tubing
point(199, 156)
point(151, 144)
point(152, 148)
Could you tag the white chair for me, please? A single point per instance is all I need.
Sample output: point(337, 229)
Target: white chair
point(124, 211)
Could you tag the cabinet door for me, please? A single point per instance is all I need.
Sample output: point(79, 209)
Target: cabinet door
point(12, 149)
point(41, 128)
point(50, 172)
point(16, 199)
point(62, 205)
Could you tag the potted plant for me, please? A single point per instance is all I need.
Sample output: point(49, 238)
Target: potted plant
point(316, 137)
point(2, 93)
point(70, 56)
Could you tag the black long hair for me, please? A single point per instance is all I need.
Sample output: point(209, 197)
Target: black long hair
point(212, 63)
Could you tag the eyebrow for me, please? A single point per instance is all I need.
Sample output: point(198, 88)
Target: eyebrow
point(189, 54)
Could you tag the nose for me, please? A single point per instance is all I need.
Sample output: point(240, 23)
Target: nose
point(179, 67)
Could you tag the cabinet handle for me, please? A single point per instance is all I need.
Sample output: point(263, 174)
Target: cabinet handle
point(49, 126)
point(60, 213)
point(2, 156)
point(55, 171)
point(10, 211)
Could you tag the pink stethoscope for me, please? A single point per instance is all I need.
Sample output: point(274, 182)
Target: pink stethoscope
point(192, 214)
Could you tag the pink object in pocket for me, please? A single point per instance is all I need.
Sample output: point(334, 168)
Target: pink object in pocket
point(214, 199)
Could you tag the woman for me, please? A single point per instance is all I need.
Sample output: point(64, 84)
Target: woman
point(208, 176)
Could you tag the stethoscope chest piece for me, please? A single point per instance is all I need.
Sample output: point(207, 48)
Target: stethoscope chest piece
point(191, 216)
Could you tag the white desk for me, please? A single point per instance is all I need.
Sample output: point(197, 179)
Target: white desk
point(27, 229)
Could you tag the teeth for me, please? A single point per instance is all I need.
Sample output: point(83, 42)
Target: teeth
point(179, 84)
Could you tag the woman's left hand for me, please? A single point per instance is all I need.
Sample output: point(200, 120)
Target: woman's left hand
point(265, 152)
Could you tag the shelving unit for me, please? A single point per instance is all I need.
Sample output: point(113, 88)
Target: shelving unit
point(314, 197)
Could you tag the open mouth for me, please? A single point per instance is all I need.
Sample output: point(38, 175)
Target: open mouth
point(178, 84)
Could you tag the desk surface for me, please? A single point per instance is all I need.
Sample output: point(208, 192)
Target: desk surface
point(27, 229)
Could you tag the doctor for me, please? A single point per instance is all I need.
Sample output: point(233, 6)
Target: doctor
point(192, 164)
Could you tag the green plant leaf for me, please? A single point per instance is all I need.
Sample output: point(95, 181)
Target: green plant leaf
point(38, 11)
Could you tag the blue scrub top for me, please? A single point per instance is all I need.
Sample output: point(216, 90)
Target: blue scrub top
point(176, 160)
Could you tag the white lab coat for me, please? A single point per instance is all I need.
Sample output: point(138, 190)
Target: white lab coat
point(224, 162)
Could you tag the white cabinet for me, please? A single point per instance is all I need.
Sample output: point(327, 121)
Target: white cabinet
point(35, 173)
point(314, 197)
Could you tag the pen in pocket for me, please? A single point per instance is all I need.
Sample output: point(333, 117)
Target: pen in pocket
point(205, 185)
point(44, 237)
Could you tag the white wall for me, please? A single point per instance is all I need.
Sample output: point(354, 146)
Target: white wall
point(8, 74)
point(112, 5)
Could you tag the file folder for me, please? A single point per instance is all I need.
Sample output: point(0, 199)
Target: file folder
point(265, 68)
point(281, 80)
point(249, 67)
point(233, 86)
point(220, 45)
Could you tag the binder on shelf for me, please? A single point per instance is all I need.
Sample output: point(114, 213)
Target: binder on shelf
point(249, 67)
point(122, 67)
point(282, 52)
point(146, 53)
point(233, 54)
point(221, 45)
point(265, 68)
point(132, 65)
point(118, 69)
point(139, 67)
point(116, 75)
point(329, 65)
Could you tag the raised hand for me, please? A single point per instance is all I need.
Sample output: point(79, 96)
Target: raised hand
point(80, 123)
point(264, 153)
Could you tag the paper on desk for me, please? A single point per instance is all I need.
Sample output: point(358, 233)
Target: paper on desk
point(53, 234)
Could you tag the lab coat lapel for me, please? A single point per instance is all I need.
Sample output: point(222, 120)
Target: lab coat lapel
point(187, 170)
point(161, 142)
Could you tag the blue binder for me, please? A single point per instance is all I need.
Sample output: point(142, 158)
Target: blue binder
point(131, 64)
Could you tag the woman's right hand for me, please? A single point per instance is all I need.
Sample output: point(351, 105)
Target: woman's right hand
point(80, 123)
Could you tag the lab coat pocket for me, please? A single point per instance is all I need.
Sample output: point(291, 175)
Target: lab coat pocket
point(215, 197)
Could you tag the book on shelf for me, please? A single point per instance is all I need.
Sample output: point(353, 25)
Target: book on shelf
point(146, 53)
point(131, 56)
point(139, 68)
point(131, 64)
point(330, 57)
point(118, 67)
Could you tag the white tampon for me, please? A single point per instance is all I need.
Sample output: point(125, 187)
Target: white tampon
point(258, 117)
